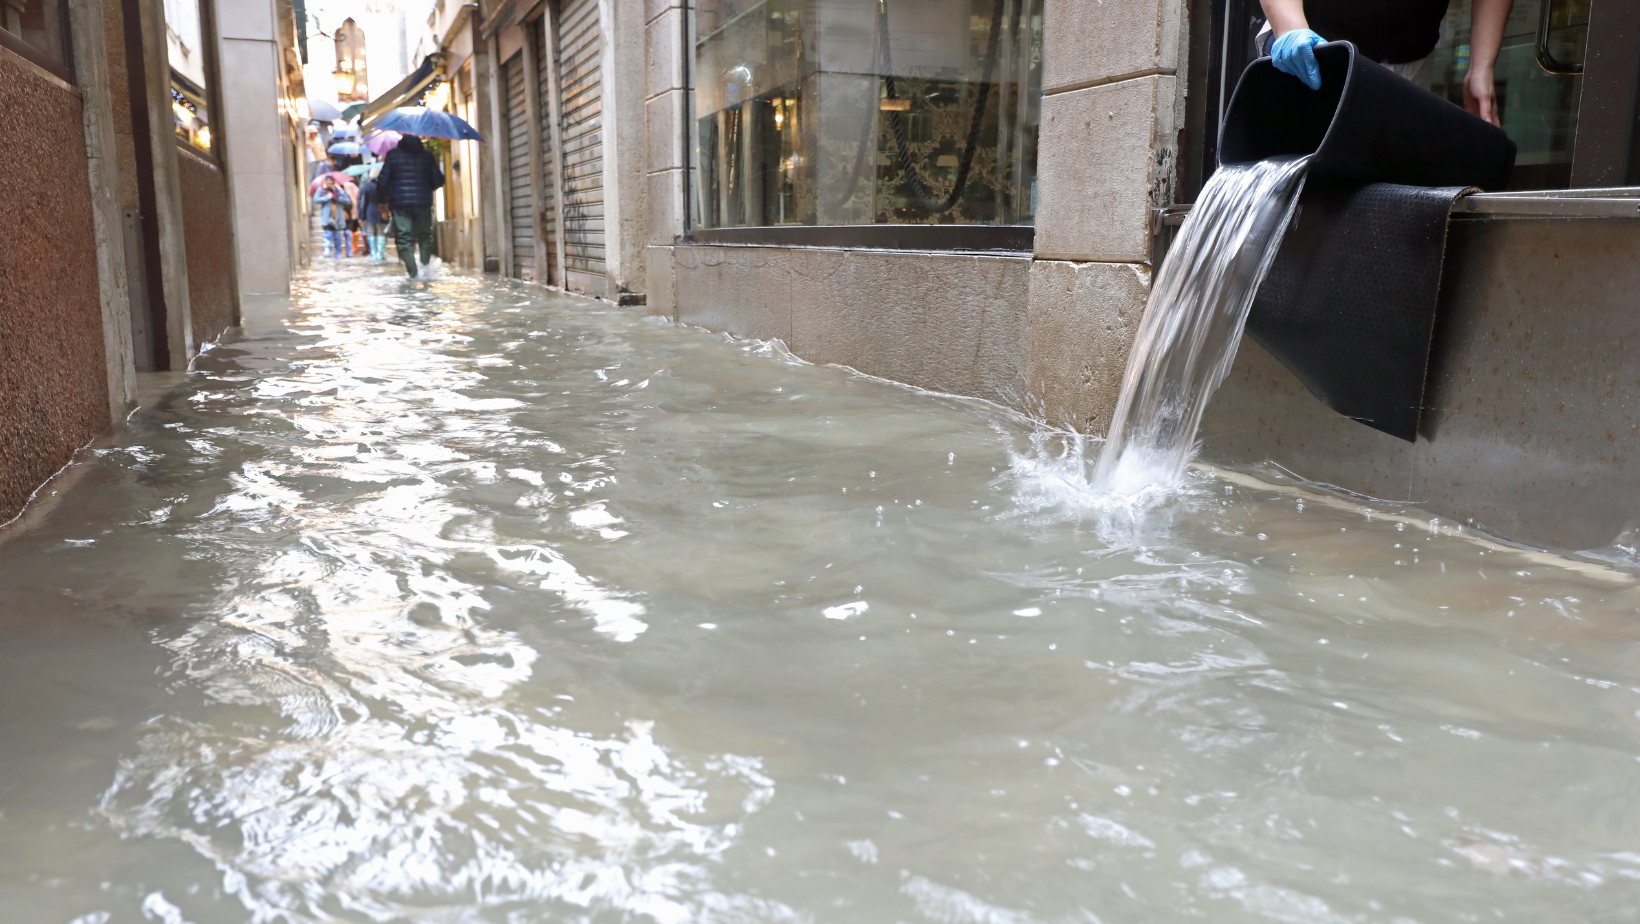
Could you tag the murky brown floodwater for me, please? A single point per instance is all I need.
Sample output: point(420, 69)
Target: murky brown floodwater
point(470, 603)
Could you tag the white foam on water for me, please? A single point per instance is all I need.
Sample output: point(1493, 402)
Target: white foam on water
point(1193, 322)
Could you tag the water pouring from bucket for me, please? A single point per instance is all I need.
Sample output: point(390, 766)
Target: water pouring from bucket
point(1364, 127)
point(1194, 319)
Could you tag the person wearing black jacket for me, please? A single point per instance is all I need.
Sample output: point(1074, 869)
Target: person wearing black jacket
point(409, 176)
point(1399, 34)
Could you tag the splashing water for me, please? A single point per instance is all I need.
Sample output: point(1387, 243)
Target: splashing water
point(1194, 320)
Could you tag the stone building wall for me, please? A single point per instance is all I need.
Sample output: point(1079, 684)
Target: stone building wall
point(53, 379)
point(207, 222)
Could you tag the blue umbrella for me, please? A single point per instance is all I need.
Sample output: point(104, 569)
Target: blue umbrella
point(428, 123)
point(348, 148)
point(347, 131)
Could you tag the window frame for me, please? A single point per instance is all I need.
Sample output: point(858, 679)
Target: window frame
point(1000, 240)
point(63, 71)
point(1609, 144)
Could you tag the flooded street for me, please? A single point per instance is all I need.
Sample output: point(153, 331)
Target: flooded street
point(468, 602)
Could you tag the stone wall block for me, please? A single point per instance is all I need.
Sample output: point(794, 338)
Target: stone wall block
point(250, 20)
point(653, 8)
point(1105, 158)
point(664, 117)
point(251, 94)
point(1083, 319)
point(952, 323)
point(663, 53)
point(207, 221)
point(665, 223)
point(1086, 42)
point(745, 291)
point(662, 283)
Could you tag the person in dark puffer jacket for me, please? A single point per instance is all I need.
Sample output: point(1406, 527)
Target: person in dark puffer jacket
point(409, 176)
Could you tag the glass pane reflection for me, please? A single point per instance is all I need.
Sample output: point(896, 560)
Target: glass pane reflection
point(185, 49)
point(1538, 109)
point(41, 24)
point(866, 112)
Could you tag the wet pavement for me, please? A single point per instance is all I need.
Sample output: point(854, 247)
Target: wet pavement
point(465, 601)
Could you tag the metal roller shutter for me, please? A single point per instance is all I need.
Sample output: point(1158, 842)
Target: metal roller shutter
point(549, 202)
point(580, 73)
point(518, 170)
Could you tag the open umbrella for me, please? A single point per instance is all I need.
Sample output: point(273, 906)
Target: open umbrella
point(428, 123)
point(382, 142)
point(336, 175)
point(345, 148)
point(322, 111)
point(359, 169)
point(352, 112)
point(345, 132)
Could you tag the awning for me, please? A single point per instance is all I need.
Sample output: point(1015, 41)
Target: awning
point(407, 90)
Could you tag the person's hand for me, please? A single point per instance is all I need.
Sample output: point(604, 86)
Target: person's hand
point(1480, 94)
point(1294, 53)
point(383, 210)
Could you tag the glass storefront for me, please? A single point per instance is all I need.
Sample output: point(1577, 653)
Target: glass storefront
point(848, 112)
point(185, 49)
point(41, 25)
point(1538, 108)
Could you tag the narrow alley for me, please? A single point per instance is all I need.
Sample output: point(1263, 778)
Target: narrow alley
point(826, 462)
point(470, 601)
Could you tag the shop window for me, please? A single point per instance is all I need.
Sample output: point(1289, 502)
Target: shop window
point(857, 112)
point(186, 51)
point(38, 30)
point(1537, 78)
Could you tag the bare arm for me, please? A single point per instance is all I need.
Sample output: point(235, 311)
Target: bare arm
point(1485, 38)
point(1284, 15)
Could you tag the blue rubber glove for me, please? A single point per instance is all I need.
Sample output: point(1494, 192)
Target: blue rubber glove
point(1294, 53)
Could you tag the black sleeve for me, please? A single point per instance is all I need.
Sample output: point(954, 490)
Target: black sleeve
point(437, 172)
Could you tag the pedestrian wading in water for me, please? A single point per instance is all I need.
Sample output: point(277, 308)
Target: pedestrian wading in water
point(335, 208)
point(405, 188)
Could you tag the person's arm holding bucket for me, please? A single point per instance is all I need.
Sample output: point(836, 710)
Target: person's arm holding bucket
point(1480, 95)
point(1293, 51)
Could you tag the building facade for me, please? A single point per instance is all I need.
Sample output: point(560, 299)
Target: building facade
point(124, 252)
point(972, 196)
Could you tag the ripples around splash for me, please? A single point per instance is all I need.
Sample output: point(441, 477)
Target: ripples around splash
point(466, 602)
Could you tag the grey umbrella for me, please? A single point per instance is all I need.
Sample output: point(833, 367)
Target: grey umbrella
point(323, 111)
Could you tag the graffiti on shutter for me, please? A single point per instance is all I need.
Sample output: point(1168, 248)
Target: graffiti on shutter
point(580, 75)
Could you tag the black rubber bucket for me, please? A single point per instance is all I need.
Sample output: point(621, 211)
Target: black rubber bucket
point(1365, 124)
point(1349, 303)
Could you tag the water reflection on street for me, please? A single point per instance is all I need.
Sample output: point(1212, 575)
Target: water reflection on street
point(464, 602)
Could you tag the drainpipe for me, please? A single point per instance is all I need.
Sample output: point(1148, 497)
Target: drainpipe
point(87, 38)
point(497, 143)
point(147, 19)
